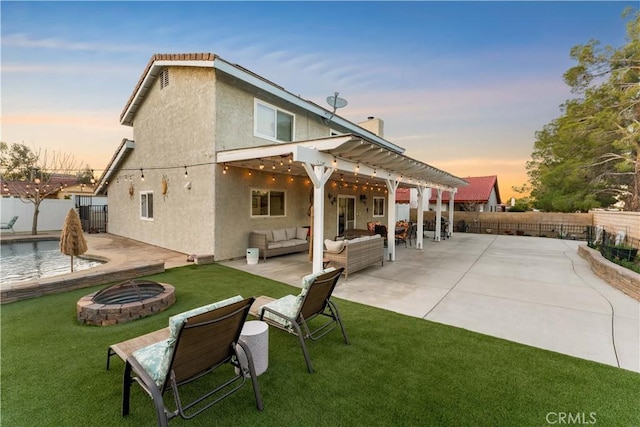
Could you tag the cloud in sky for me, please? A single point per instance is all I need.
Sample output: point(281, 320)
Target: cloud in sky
point(461, 85)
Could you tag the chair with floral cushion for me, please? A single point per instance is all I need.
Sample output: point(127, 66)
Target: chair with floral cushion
point(200, 341)
point(293, 313)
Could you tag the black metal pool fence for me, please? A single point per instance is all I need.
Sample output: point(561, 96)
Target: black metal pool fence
point(613, 245)
point(560, 231)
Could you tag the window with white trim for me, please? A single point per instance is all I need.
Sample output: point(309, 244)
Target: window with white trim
point(378, 206)
point(267, 203)
point(272, 123)
point(146, 204)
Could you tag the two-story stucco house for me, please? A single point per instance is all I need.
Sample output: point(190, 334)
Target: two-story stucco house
point(219, 151)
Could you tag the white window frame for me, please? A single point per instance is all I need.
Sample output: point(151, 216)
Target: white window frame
point(384, 206)
point(274, 137)
point(268, 191)
point(145, 215)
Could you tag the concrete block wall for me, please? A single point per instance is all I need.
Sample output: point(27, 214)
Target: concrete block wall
point(629, 222)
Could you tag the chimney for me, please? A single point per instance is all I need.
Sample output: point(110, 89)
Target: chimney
point(373, 125)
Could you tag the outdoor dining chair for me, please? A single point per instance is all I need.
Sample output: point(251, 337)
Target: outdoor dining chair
point(294, 313)
point(201, 341)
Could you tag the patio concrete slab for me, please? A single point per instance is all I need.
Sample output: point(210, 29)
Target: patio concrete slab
point(534, 291)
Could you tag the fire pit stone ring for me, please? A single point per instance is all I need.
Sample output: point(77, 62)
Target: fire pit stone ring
point(124, 302)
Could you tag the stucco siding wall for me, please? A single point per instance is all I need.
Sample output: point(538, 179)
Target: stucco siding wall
point(235, 118)
point(233, 205)
point(174, 127)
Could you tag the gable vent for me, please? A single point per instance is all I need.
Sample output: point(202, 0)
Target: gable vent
point(164, 78)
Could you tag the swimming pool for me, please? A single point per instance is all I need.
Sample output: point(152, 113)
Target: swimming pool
point(23, 261)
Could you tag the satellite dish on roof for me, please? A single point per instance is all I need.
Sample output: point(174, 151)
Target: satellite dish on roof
point(336, 102)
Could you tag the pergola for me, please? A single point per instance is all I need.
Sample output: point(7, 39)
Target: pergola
point(353, 156)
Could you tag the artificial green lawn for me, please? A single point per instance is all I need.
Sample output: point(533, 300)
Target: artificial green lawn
point(398, 370)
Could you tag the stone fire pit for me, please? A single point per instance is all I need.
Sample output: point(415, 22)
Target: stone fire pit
point(124, 302)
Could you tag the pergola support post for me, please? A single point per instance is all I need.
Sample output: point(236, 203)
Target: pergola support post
point(392, 185)
point(420, 217)
point(438, 227)
point(319, 175)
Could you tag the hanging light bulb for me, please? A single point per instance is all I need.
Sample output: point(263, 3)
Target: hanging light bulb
point(290, 158)
point(141, 174)
point(93, 180)
point(186, 174)
point(357, 168)
point(261, 164)
point(273, 165)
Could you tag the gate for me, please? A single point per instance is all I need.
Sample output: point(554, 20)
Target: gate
point(94, 219)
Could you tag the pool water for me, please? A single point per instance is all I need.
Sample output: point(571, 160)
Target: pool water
point(23, 261)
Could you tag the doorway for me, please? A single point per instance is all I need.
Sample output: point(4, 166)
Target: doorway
point(346, 213)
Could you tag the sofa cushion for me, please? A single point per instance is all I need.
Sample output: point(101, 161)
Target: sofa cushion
point(290, 233)
point(301, 233)
point(279, 235)
point(334, 246)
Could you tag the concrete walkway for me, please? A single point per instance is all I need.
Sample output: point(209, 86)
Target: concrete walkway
point(530, 290)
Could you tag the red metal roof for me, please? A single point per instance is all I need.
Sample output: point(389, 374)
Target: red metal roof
point(403, 195)
point(478, 190)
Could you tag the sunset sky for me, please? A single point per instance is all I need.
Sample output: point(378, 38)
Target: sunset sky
point(462, 86)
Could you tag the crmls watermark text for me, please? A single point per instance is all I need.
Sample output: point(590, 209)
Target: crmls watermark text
point(576, 418)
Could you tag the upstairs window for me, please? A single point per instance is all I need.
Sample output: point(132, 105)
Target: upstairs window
point(146, 204)
point(272, 123)
point(378, 206)
point(267, 203)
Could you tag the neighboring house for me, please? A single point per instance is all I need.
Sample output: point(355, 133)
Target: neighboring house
point(219, 151)
point(55, 187)
point(481, 195)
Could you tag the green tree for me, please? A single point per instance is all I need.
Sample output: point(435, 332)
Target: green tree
point(590, 156)
point(31, 175)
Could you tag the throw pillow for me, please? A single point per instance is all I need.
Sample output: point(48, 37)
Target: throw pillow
point(279, 235)
point(301, 233)
point(333, 246)
point(291, 233)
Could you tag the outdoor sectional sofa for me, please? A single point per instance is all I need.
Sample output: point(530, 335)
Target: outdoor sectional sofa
point(279, 241)
point(355, 254)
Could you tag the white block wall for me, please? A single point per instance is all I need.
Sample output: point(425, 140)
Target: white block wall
point(51, 217)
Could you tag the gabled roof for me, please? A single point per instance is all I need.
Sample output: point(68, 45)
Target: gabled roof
point(360, 148)
point(210, 60)
point(478, 190)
